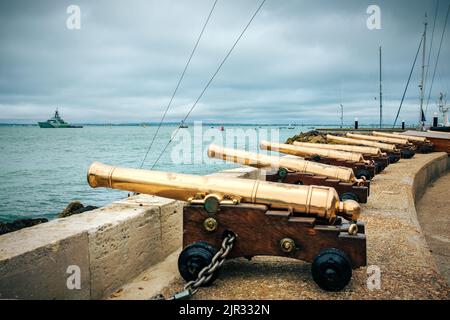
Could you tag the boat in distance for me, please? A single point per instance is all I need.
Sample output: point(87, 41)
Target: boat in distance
point(57, 122)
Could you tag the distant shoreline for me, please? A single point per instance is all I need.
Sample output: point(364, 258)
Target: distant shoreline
point(205, 124)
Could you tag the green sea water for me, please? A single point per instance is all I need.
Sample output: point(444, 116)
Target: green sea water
point(42, 170)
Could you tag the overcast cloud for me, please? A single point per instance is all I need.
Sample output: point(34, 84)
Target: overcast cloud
point(290, 66)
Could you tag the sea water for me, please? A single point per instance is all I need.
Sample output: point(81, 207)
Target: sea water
point(42, 170)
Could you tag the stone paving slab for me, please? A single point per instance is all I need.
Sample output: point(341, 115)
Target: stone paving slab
point(433, 213)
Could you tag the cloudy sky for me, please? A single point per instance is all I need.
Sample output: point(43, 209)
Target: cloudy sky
point(294, 63)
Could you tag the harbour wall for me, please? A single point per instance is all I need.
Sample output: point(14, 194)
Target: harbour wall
point(106, 247)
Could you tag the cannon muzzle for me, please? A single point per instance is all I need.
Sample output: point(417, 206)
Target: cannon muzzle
point(317, 201)
point(258, 160)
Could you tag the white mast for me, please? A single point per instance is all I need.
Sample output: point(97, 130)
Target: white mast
point(444, 110)
point(381, 97)
point(342, 109)
point(421, 86)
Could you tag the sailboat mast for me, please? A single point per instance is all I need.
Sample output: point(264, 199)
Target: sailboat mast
point(422, 89)
point(381, 97)
point(342, 109)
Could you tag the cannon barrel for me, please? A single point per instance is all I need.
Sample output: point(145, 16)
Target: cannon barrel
point(343, 147)
point(311, 200)
point(389, 135)
point(258, 160)
point(378, 138)
point(304, 151)
point(382, 146)
point(410, 138)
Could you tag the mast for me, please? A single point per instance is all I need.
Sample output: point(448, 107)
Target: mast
point(443, 110)
point(342, 109)
point(381, 97)
point(421, 86)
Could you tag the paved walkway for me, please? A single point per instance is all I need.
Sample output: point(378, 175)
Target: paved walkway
point(394, 243)
point(433, 211)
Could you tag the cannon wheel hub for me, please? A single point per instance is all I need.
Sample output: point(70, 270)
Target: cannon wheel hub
point(331, 269)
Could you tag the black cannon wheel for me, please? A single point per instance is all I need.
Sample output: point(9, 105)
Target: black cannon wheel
point(378, 167)
point(349, 196)
point(362, 173)
point(282, 173)
point(331, 269)
point(194, 258)
point(425, 149)
point(393, 158)
point(407, 154)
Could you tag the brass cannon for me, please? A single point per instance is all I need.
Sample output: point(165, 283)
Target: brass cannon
point(265, 218)
point(410, 138)
point(343, 147)
point(370, 153)
point(407, 149)
point(421, 143)
point(299, 171)
point(362, 168)
point(397, 141)
point(391, 150)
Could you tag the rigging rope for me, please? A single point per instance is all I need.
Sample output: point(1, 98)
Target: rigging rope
point(437, 58)
point(178, 84)
point(210, 81)
point(407, 83)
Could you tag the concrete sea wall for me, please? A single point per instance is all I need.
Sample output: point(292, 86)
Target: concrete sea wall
point(108, 246)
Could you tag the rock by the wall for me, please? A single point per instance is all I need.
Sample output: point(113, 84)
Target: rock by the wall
point(75, 207)
point(310, 136)
point(6, 227)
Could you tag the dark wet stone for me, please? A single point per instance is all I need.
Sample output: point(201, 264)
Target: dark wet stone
point(6, 227)
point(84, 209)
point(75, 207)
